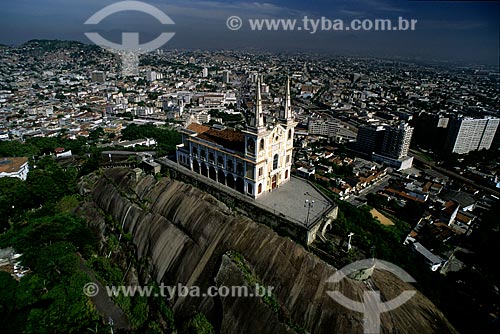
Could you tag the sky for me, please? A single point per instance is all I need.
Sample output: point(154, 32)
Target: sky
point(445, 30)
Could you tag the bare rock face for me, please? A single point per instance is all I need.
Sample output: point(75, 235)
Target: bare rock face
point(188, 237)
point(240, 314)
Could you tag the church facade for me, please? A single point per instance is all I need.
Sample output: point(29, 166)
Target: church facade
point(253, 161)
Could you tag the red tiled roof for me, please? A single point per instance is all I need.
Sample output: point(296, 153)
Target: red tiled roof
point(228, 138)
point(426, 187)
point(463, 218)
point(198, 128)
point(403, 194)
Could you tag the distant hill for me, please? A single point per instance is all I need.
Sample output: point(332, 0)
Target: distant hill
point(54, 44)
point(39, 47)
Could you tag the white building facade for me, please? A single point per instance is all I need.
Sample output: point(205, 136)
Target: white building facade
point(254, 161)
point(14, 167)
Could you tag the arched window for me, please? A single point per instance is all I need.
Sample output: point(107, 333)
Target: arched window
point(290, 134)
point(251, 146)
point(260, 188)
point(261, 144)
point(275, 161)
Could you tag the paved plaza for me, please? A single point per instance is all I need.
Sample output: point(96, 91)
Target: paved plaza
point(289, 200)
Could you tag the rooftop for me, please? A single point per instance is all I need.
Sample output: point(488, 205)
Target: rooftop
point(12, 165)
point(228, 138)
point(427, 253)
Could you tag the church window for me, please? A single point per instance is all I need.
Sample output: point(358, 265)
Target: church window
point(251, 146)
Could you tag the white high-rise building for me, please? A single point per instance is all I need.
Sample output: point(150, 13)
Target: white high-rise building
point(225, 76)
point(151, 75)
point(204, 72)
point(470, 134)
point(323, 127)
point(396, 141)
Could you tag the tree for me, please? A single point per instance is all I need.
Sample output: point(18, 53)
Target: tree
point(198, 324)
point(94, 135)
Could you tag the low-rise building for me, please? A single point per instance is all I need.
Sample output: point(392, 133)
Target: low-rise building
point(14, 167)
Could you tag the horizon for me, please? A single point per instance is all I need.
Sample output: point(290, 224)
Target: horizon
point(453, 63)
point(451, 31)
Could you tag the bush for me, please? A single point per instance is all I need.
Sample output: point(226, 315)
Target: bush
point(198, 324)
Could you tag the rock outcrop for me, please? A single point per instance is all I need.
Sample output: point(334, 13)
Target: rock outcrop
point(188, 237)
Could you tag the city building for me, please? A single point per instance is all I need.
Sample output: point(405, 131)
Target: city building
point(151, 75)
point(14, 167)
point(204, 72)
point(470, 134)
point(4, 135)
point(253, 161)
point(386, 144)
point(226, 76)
point(369, 139)
point(323, 127)
point(98, 76)
point(396, 142)
point(430, 130)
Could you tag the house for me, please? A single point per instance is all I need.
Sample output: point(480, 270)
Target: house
point(466, 201)
point(61, 152)
point(141, 142)
point(449, 212)
point(431, 259)
point(14, 167)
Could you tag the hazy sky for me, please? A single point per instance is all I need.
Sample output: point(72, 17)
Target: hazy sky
point(457, 30)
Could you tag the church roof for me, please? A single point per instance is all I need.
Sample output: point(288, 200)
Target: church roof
point(228, 138)
point(198, 128)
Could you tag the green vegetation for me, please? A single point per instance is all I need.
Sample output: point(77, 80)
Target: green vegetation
point(214, 113)
point(341, 171)
point(198, 324)
point(45, 185)
point(425, 156)
point(49, 299)
point(37, 217)
point(369, 233)
point(166, 138)
point(43, 145)
point(269, 299)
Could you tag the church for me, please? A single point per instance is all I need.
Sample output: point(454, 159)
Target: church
point(253, 161)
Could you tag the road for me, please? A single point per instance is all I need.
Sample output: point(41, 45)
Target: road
point(452, 174)
point(103, 303)
point(358, 200)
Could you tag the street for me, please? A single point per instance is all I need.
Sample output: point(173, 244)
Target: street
point(359, 200)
